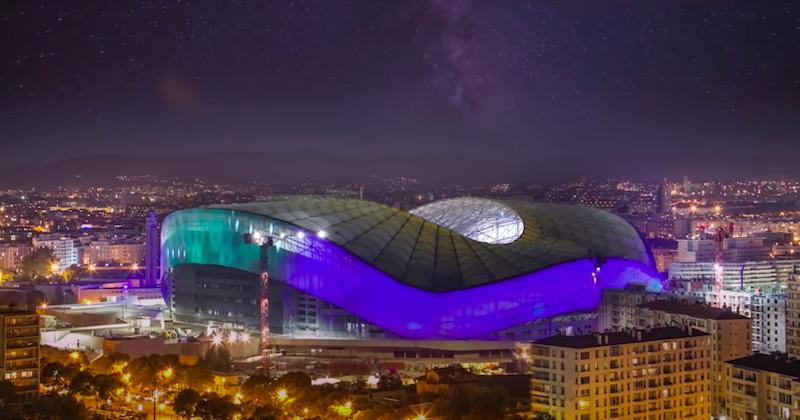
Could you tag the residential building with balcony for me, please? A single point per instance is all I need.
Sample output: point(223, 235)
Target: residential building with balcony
point(762, 386)
point(19, 359)
point(659, 373)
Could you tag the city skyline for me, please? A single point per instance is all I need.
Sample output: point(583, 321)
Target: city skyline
point(411, 210)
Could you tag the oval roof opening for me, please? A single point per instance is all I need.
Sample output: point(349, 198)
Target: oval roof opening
point(479, 219)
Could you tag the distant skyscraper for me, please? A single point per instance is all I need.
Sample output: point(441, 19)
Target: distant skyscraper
point(153, 248)
point(662, 197)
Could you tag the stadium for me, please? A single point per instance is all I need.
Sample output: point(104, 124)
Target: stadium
point(456, 269)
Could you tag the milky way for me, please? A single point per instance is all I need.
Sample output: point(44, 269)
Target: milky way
point(528, 89)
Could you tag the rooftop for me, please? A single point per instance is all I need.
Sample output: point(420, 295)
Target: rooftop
point(618, 337)
point(775, 363)
point(697, 310)
point(435, 247)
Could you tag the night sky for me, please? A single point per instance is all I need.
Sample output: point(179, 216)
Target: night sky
point(473, 90)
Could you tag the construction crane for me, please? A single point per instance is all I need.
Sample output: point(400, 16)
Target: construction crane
point(264, 245)
point(719, 258)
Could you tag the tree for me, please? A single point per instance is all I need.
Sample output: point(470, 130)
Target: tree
point(71, 273)
point(49, 373)
point(53, 406)
point(213, 406)
point(472, 402)
point(255, 387)
point(218, 358)
point(146, 370)
point(82, 384)
point(384, 412)
point(110, 363)
point(263, 412)
point(186, 401)
point(198, 376)
point(105, 385)
point(8, 393)
point(65, 357)
point(37, 264)
point(293, 381)
point(389, 382)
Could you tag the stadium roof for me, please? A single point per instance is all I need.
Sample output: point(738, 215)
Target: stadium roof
point(455, 248)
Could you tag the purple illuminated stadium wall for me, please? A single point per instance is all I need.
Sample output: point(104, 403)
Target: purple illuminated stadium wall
point(325, 270)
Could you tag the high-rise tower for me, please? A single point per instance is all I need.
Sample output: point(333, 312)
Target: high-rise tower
point(663, 203)
point(153, 248)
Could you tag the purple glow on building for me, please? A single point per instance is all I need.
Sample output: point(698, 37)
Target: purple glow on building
point(333, 275)
point(323, 269)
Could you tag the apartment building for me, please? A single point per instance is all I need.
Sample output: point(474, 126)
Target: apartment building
point(793, 316)
point(660, 373)
point(11, 255)
point(19, 359)
point(731, 335)
point(768, 312)
point(125, 252)
point(762, 386)
point(617, 309)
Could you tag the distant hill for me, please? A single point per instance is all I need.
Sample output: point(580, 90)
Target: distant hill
point(241, 167)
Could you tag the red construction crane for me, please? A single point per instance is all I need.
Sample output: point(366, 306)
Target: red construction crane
point(719, 259)
point(264, 244)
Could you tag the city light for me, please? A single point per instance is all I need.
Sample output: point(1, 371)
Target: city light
point(344, 410)
point(535, 211)
point(282, 395)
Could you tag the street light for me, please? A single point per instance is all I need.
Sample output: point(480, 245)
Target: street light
point(282, 395)
point(166, 374)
